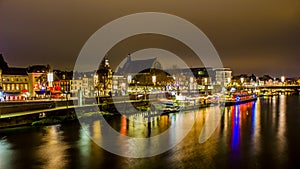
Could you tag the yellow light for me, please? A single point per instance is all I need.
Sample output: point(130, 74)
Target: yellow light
point(129, 78)
point(242, 80)
point(154, 79)
point(282, 79)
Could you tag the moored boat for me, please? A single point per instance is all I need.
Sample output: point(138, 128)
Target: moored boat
point(237, 98)
point(166, 106)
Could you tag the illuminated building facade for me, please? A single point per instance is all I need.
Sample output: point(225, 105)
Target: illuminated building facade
point(223, 76)
point(37, 76)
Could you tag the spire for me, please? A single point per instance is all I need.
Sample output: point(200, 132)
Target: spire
point(129, 57)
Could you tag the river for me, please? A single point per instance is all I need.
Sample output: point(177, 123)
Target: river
point(261, 134)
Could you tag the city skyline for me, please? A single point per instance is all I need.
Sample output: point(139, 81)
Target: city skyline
point(136, 58)
point(250, 37)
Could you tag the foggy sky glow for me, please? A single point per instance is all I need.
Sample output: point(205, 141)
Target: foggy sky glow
point(262, 37)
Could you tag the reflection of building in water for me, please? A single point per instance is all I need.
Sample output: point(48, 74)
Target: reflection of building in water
point(281, 134)
point(235, 127)
point(97, 130)
point(255, 129)
point(240, 115)
point(123, 129)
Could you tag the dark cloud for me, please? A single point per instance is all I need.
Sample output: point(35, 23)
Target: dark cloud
point(250, 36)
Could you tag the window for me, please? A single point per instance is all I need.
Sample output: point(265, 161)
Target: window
point(17, 87)
point(200, 73)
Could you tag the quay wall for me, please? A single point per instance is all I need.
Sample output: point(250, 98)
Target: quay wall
point(66, 112)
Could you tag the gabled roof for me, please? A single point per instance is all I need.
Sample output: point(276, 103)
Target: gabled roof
point(15, 71)
point(135, 66)
point(38, 68)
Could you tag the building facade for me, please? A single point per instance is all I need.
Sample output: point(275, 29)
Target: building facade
point(38, 82)
point(15, 84)
point(223, 76)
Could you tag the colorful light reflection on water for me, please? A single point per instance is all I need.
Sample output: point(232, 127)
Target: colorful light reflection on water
point(261, 134)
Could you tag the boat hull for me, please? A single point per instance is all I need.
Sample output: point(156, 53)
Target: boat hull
point(231, 103)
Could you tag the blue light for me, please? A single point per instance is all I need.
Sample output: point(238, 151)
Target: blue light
point(235, 138)
point(253, 116)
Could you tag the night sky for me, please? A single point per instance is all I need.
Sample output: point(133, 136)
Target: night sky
point(260, 37)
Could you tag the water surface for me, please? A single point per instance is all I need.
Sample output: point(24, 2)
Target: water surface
point(261, 134)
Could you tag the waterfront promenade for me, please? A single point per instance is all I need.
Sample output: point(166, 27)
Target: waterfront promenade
point(21, 113)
